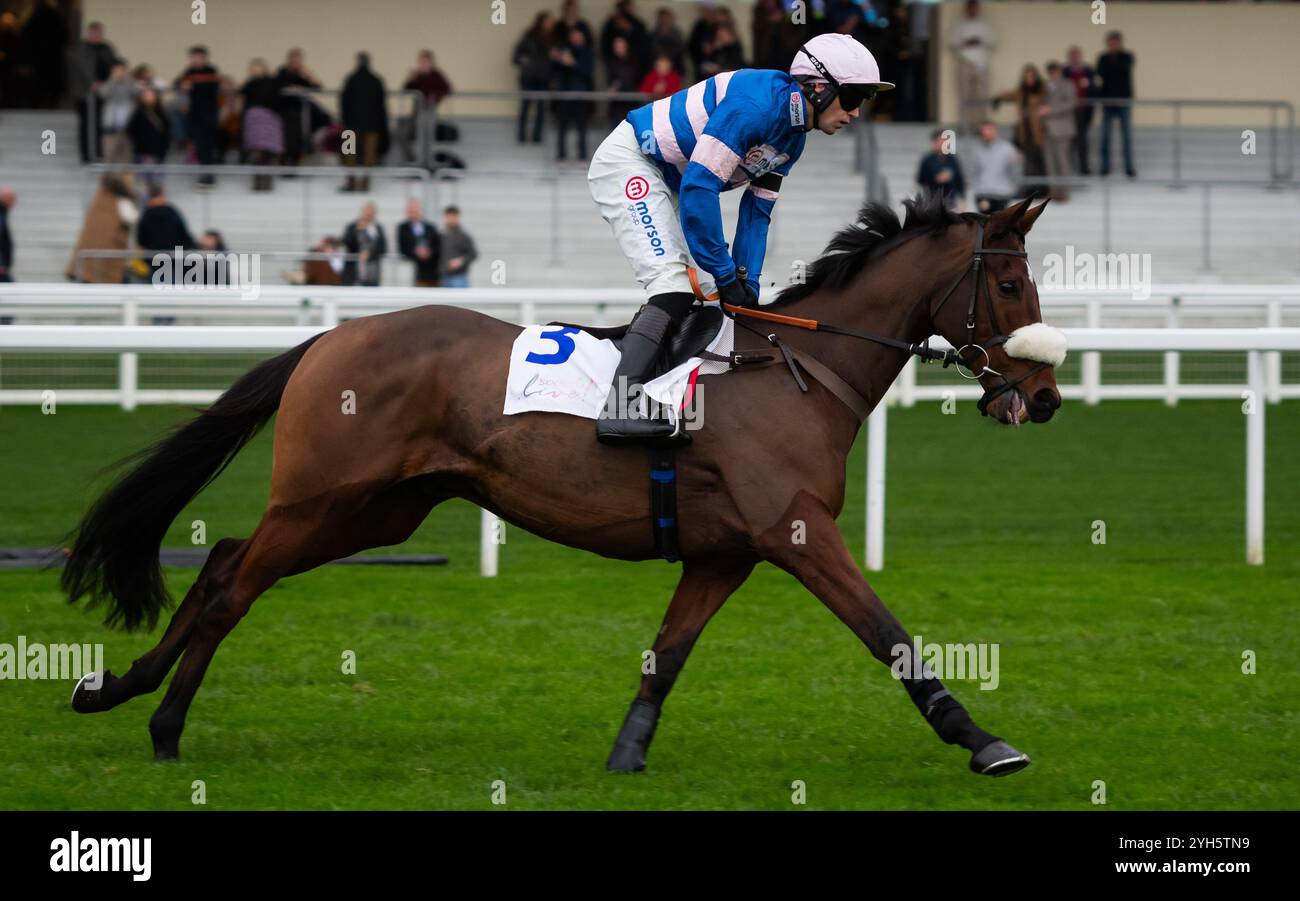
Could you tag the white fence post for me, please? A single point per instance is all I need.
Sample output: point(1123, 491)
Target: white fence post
point(875, 554)
point(1092, 359)
point(907, 384)
point(488, 531)
point(128, 364)
point(1255, 460)
point(1273, 359)
point(1171, 359)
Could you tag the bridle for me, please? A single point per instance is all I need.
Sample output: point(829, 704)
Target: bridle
point(976, 272)
point(965, 368)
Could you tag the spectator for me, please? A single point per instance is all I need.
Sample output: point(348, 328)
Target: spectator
point(365, 114)
point(200, 83)
point(1085, 85)
point(215, 272)
point(263, 130)
point(940, 171)
point(365, 239)
point(162, 228)
point(662, 80)
point(992, 165)
point(911, 104)
point(725, 54)
point(117, 97)
point(90, 64)
point(230, 121)
point(149, 133)
point(418, 241)
point(1062, 100)
point(533, 57)
point(623, 23)
point(110, 220)
point(327, 271)
point(574, 68)
point(623, 76)
point(1028, 97)
point(776, 37)
point(972, 40)
point(458, 250)
point(1115, 70)
point(42, 47)
point(571, 18)
point(434, 87)
point(7, 200)
point(10, 50)
point(700, 42)
point(298, 114)
point(666, 39)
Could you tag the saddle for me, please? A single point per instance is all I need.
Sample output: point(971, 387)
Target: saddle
point(695, 333)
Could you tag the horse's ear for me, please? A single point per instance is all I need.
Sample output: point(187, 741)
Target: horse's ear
point(1006, 219)
point(1028, 218)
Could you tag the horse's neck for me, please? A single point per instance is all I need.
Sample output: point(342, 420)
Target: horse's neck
point(888, 299)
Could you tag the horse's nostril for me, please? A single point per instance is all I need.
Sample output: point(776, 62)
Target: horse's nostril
point(1047, 397)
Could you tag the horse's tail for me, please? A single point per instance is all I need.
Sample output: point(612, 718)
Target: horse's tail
point(114, 554)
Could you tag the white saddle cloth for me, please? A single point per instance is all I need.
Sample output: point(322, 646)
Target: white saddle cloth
point(565, 370)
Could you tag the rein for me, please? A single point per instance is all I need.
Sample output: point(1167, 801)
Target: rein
point(923, 350)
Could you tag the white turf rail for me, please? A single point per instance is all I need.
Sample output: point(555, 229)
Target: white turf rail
point(1262, 347)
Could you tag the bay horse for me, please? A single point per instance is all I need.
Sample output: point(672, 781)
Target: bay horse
point(428, 385)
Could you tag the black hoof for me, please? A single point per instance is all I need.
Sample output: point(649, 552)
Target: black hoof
point(998, 759)
point(86, 699)
point(626, 759)
point(634, 738)
point(165, 754)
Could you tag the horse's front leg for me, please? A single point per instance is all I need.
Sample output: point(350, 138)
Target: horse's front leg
point(703, 589)
point(822, 562)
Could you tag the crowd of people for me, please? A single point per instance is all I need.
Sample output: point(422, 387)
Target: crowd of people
point(1053, 118)
point(117, 225)
point(1054, 113)
point(128, 114)
point(563, 53)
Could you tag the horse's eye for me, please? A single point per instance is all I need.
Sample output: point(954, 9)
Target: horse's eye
point(1007, 288)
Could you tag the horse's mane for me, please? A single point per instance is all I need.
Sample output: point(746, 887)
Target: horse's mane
point(876, 231)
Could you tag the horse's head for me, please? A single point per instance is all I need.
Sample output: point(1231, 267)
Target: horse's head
point(991, 315)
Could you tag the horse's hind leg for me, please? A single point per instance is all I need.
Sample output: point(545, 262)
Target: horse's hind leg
point(284, 543)
point(149, 670)
point(703, 589)
point(826, 568)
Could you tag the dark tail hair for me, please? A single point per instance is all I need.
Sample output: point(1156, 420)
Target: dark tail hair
point(114, 555)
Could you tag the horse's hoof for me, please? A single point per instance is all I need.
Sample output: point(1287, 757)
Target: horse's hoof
point(998, 759)
point(161, 754)
point(626, 759)
point(89, 698)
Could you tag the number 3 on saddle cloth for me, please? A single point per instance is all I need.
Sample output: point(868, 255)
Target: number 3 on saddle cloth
point(564, 368)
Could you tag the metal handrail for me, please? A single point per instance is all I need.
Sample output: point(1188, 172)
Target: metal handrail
point(429, 190)
point(1279, 170)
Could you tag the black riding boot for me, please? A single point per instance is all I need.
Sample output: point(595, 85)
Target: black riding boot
point(641, 348)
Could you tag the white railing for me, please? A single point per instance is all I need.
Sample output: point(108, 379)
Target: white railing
point(1254, 342)
point(1171, 306)
point(1257, 343)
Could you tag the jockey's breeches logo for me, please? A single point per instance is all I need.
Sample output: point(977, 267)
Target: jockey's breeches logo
point(640, 214)
point(636, 188)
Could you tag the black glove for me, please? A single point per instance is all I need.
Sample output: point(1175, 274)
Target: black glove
point(739, 293)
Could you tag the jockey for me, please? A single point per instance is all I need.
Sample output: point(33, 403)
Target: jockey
point(657, 178)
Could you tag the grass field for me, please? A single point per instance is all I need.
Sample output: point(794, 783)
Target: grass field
point(1119, 662)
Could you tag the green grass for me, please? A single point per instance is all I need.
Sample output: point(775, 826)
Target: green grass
point(1119, 662)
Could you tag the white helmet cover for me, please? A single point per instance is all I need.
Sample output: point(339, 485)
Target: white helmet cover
point(847, 61)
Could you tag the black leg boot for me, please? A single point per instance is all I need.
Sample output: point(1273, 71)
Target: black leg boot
point(622, 422)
